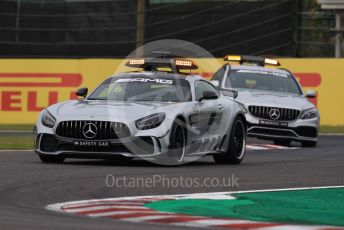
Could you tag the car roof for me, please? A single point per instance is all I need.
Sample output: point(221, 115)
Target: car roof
point(153, 74)
point(260, 68)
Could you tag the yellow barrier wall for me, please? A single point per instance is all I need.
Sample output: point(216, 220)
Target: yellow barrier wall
point(28, 85)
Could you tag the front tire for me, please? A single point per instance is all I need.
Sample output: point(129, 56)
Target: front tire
point(51, 159)
point(236, 146)
point(308, 144)
point(178, 141)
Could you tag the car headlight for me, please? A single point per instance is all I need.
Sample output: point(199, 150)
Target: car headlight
point(151, 121)
point(309, 114)
point(48, 119)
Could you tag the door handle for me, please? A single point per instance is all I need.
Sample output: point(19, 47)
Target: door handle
point(219, 106)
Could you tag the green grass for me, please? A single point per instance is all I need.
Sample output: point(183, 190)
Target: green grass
point(332, 129)
point(316, 206)
point(18, 142)
point(21, 127)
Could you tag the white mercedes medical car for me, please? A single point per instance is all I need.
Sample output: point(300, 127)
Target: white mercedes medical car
point(166, 116)
point(277, 109)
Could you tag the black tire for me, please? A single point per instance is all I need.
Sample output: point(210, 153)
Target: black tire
point(308, 144)
point(282, 142)
point(237, 144)
point(178, 142)
point(51, 159)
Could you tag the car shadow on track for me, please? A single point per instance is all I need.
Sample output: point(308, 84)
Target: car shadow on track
point(134, 163)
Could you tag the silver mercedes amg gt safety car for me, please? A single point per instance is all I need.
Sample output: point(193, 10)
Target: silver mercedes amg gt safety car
point(167, 116)
point(276, 106)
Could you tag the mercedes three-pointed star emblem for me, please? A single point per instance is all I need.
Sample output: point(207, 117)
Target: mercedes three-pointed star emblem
point(89, 130)
point(274, 114)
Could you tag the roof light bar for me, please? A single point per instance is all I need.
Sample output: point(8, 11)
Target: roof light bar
point(269, 61)
point(232, 58)
point(184, 63)
point(136, 61)
point(257, 60)
point(152, 64)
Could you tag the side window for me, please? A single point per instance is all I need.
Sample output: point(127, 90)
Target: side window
point(202, 86)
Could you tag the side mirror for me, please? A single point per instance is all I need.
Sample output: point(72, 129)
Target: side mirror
point(230, 93)
point(310, 94)
point(216, 83)
point(82, 92)
point(209, 95)
point(235, 94)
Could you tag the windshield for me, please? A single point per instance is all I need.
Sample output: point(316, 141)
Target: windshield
point(143, 89)
point(262, 80)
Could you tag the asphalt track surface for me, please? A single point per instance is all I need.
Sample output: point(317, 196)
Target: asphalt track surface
point(27, 185)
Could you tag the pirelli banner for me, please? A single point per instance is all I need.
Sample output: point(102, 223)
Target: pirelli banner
point(29, 85)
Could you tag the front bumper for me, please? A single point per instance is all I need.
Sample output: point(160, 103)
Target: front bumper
point(297, 130)
point(143, 147)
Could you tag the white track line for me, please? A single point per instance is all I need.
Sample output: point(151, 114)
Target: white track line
point(116, 213)
point(268, 147)
point(295, 227)
point(147, 218)
point(109, 204)
point(212, 222)
point(254, 147)
point(104, 207)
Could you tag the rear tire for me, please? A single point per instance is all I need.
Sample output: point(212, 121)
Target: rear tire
point(308, 144)
point(237, 144)
point(51, 159)
point(282, 142)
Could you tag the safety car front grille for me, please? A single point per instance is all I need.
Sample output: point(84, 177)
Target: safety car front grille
point(101, 130)
point(264, 113)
